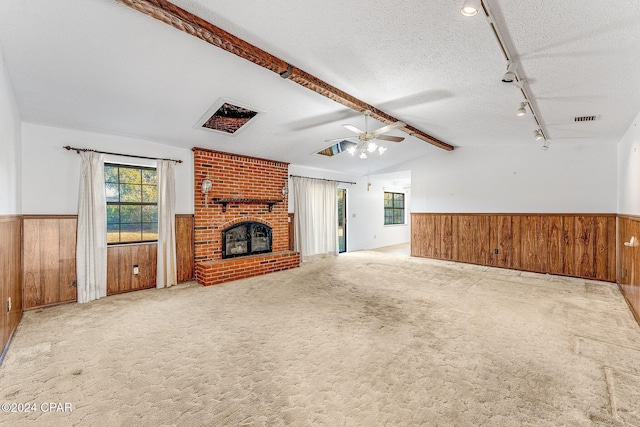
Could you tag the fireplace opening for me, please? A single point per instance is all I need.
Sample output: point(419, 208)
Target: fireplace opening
point(246, 238)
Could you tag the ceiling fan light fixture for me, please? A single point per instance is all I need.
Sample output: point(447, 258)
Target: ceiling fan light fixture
point(372, 146)
point(363, 155)
point(351, 150)
point(521, 110)
point(470, 7)
point(381, 150)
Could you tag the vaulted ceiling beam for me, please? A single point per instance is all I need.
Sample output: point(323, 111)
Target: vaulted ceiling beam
point(191, 24)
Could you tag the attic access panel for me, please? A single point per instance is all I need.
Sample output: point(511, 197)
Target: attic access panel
point(227, 117)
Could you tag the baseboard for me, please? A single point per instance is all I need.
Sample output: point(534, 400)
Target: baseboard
point(6, 346)
point(633, 312)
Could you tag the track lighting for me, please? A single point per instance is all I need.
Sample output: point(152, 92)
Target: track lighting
point(470, 7)
point(545, 146)
point(510, 74)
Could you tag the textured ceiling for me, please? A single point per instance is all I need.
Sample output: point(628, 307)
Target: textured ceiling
point(99, 65)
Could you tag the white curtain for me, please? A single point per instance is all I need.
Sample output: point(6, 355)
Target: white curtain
point(166, 274)
point(91, 248)
point(316, 218)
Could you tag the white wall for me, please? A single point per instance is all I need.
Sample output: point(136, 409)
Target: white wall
point(629, 170)
point(365, 209)
point(50, 174)
point(10, 141)
point(568, 178)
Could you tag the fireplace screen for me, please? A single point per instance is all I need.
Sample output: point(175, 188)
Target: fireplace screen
point(246, 238)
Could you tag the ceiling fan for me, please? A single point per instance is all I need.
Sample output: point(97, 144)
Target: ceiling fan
point(365, 138)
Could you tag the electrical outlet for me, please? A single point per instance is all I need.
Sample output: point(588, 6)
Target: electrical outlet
point(136, 270)
point(495, 251)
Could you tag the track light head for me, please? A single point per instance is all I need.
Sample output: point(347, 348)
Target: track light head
point(538, 134)
point(510, 75)
point(545, 146)
point(470, 7)
point(521, 110)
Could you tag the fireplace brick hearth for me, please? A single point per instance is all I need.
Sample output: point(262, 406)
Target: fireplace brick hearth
point(248, 180)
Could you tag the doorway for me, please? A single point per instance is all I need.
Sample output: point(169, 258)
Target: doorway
point(342, 220)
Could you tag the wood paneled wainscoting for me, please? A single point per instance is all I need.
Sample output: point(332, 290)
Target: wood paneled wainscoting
point(49, 260)
point(579, 245)
point(10, 283)
point(629, 261)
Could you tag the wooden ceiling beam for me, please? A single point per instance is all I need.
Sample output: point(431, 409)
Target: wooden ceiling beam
point(191, 24)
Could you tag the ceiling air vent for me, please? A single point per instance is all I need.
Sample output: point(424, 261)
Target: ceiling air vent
point(228, 118)
point(585, 118)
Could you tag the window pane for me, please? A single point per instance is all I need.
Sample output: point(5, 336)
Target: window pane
point(130, 214)
point(398, 216)
point(130, 193)
point(113, 233)
point(110, 173)
point(150, 214)
point(130, 232)
point(130, 175)
point(113, 214)
point(149, 176)
point(398, 204)
point(388, 200)
point(111, 192)
point(149, 194)
point(150, 231)
point(388, 217)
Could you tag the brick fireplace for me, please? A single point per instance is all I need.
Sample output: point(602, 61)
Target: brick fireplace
point(245, 190)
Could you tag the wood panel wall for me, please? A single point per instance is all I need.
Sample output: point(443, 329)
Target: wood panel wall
point(10, 283)
point(185, 247)
point(121, 260)
point(565, 244)
point(49, 260)
point(628, 277)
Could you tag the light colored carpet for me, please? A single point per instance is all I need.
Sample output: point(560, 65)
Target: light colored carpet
point(364, 339)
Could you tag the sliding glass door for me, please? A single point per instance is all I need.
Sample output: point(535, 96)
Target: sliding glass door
point(342, 220)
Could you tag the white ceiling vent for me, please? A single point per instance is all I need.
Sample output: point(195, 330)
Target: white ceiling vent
point(585, 118)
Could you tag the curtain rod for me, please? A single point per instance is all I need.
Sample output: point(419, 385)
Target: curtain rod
point(78, 150)
point(322, 179)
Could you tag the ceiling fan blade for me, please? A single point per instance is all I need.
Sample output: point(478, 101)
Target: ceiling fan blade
point(352, 128)
point(389, 128)
point(347, 138)
point(390, 138)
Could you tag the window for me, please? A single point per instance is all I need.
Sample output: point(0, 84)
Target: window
point(132, 203)
point(393, 208)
